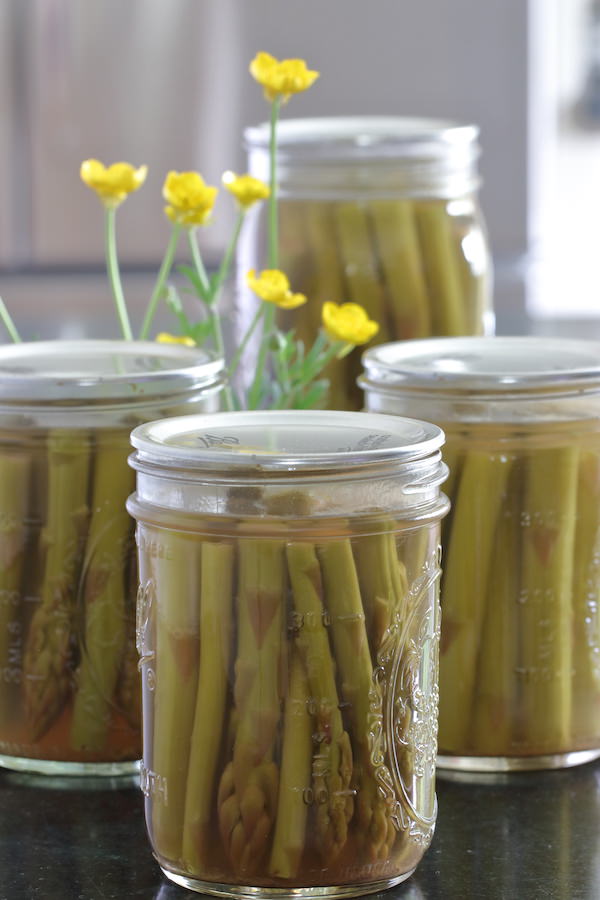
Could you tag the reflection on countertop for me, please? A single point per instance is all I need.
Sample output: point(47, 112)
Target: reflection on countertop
point(512, 837)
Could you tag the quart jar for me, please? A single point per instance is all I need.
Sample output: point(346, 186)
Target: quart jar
point(520, 648)
point(378, 211)
point(69, 684)
point(288, 631)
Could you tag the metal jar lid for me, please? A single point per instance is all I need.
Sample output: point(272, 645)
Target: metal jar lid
point(483, 366)
point(331, 463)
point(94, 371)
point(288, 441)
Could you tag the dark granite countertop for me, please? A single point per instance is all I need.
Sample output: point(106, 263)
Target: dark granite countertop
point(527, 837)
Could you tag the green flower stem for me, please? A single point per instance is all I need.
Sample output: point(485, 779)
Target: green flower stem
point(114, 275)
point(228, 257)
point(311, 371)
point(159, 287)
point(211, 294)
point(273, 249)
point(240, 350)
point(268, 324)
point(8, 323)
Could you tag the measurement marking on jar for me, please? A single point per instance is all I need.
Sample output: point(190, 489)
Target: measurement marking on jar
point(153, 784)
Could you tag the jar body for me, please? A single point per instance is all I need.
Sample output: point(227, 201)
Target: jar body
point(409, 247)
point(70, 697)
point(289, 672)
point(520, 647)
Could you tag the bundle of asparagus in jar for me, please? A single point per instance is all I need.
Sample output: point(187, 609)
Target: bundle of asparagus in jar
point(69, 685)
point(288, 628)
point(381, 212)
point(520, 649)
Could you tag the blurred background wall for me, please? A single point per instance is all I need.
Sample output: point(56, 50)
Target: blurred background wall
point(166, 83)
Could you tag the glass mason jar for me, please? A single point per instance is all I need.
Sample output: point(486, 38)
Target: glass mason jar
point(378, 211)
point(288, 632)
point(69, 684)
point(520, 649)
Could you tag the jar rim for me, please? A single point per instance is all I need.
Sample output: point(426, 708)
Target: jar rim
point(113, 370)
point(369, 137)
point(293, 441)
point(483, 365)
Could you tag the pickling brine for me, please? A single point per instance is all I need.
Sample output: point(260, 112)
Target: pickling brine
point(520, 643)
point(70, 694)
point(289, 649)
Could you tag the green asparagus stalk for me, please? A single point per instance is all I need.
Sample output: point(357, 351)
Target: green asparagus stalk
point(495, 695)
point(383, 583)
point(586, 602)
point(332, 767)
point(216, 625)
point(467, 573)
point(400, 261)
point(441, 269)
point(545, 621)
point(296, 757)
point(104, 601)
point(248, 789)
point(350, 641)
point(176, 574)
point(327, 284)
point(48, 650)
point(15, 480)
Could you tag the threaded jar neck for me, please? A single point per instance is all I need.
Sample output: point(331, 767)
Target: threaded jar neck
point(336, 158)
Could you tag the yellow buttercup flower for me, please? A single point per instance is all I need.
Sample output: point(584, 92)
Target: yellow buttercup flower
point(246, 189)
point(190, 200)
point(165, 338)
point(281, 77)
point(114, 183)
point(348, 322)
point(273, 286)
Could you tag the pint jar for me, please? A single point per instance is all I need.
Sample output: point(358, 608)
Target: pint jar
point(520, 647)
point(380, 211)
point(69, 684)
point(288, 632)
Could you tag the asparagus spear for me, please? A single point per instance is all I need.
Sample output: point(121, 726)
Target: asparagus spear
point(209, 717)
point(481, 492)
point(176, 574)
point(586, 603)
point(296, 758)
point(351, 646)
point(400, 261)
point(545, 619)
point(332, 768)
point(383, 582)
point(248, 788)
point(495, 697)
point(48, 650)
point(104, 599)
point(441, 269)
point(327, 284)
point(15, 479)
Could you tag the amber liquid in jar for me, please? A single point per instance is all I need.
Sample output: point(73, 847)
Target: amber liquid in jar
point(69, 686)
point(290, 698)
point(520, 647)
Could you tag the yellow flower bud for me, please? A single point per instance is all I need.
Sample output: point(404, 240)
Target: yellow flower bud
point(114, 183)
point(273, 286)
point(348, 322)
point(246, 189)
point(165, 338)
point(281, 77)
point(190, 200)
